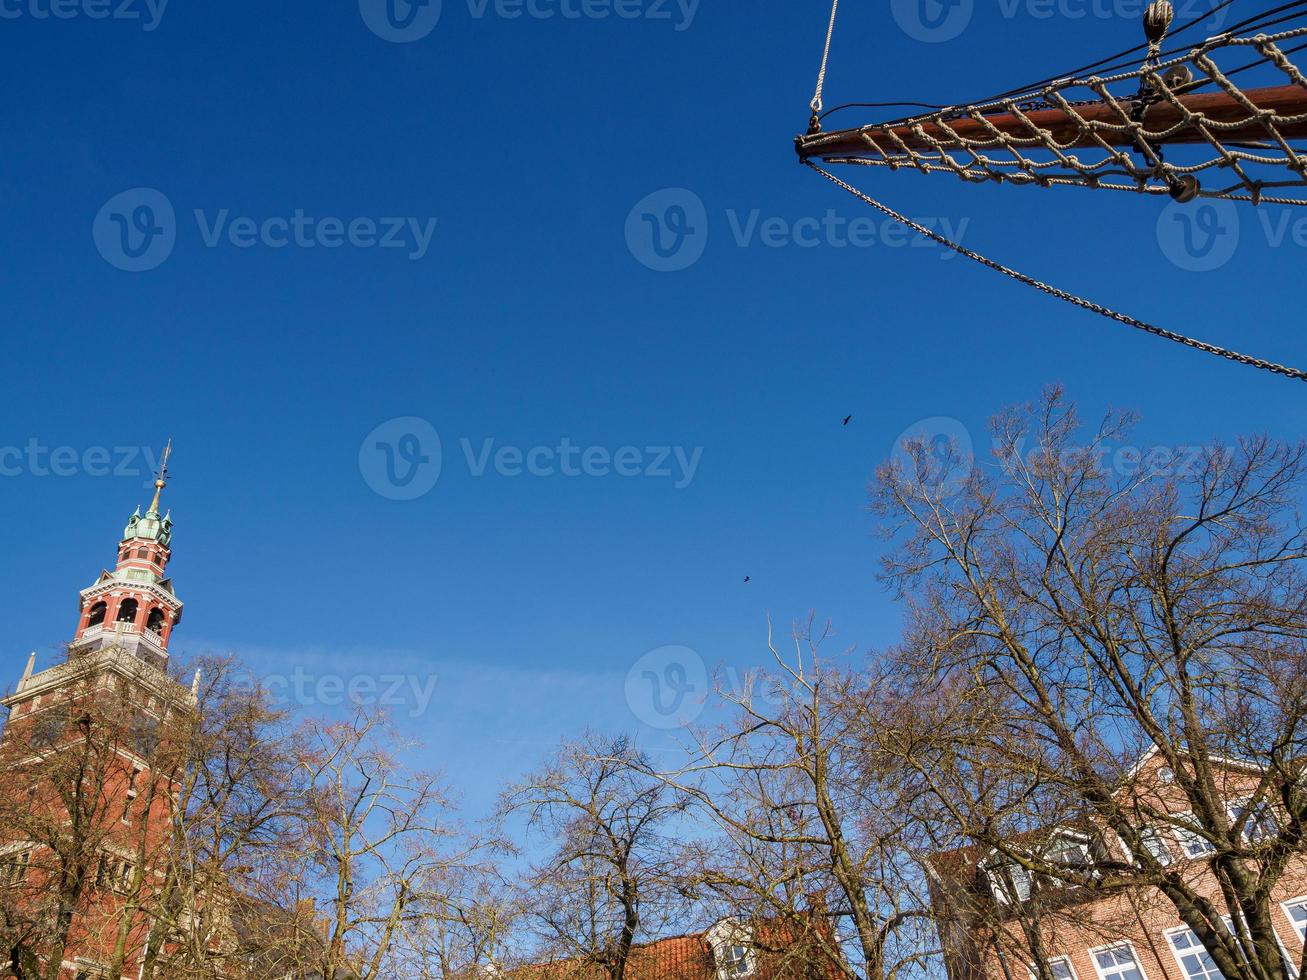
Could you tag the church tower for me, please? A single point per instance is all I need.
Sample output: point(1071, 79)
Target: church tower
point(134, 607)
point(76, 859)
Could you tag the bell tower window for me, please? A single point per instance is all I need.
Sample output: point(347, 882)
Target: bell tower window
point(155, 623)
point(127, 611)
point(98, 612)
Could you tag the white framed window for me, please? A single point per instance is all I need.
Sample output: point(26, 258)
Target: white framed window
point(732, 947)
point(1059, 966)
point(1192, 957)
point(13, 866)
point(735, 962)
point(1152, 840)
point(1069, 850)
point(1008, 881)
point(1155, 844)
point(1296, 910)
point(114, 873)
point(1261, 823)
point(1117, 963)
point(1194, 844)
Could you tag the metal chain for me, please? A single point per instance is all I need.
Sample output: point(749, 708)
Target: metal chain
point(1062, 294)
point(816, 103)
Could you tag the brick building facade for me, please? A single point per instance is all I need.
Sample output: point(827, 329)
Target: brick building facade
point(87, 775)
point(999, 915)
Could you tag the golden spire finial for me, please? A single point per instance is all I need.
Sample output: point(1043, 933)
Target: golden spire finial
point(161, 479)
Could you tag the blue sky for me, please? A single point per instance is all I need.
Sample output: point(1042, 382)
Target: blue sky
point(519, 311)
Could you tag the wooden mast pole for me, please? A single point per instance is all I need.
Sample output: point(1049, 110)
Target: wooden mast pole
point(1096, 124)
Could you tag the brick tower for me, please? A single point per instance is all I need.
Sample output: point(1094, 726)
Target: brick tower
point(89, 764)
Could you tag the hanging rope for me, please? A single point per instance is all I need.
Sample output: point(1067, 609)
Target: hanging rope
point(1062, 294)
point(816, 103)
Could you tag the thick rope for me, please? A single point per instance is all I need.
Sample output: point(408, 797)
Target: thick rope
point(1062, 294)
point(1082, 130)
point(816, 104)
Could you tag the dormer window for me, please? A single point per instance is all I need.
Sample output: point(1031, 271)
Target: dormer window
point(1009, 882)
point(736, 962)
point(732, 947)
point(1071, 851)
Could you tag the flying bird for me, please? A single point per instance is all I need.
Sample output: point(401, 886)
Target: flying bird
point(746, 579)
point(848, 419)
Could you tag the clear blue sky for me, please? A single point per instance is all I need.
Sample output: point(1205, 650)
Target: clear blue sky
point(528, 319)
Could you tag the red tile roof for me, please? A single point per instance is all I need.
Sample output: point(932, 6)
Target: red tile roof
point(679, 958)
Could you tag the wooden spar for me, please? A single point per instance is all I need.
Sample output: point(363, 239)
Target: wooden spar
point(1220, 107)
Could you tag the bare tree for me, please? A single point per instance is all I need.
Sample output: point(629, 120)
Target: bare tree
point(371, 844)
point(816, 838)
point(231, 819)
point(1085, 615)
point(613, 873)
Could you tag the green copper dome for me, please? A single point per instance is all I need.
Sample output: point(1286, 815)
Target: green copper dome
point(151, 527)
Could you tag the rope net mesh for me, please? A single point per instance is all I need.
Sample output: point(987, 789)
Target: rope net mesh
point(1218, 120)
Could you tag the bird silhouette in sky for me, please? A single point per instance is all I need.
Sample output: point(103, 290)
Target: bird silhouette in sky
point(746, 579)
point(848, 419)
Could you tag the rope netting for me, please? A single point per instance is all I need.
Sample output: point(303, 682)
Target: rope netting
point(1215, 119)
